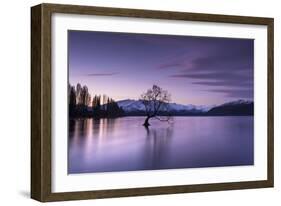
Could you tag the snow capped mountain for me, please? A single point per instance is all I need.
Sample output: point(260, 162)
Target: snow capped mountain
point(239, 107)
point(189, 107)
point(129, 105)
point(238, 102)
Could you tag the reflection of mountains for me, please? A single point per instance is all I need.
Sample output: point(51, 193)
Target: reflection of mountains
point(158, 142)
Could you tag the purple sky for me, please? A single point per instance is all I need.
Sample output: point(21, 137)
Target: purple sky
point(195, 70)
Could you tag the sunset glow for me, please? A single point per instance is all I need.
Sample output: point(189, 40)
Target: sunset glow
point(195, 70)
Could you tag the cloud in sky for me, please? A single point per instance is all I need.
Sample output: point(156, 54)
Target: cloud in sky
point(229, 66)
point(184, 65)
point(101, 74)
point(225, 83)
point(171, 65)
point(235, 93)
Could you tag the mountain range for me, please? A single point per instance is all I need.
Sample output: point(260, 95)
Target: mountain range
point(234, 108)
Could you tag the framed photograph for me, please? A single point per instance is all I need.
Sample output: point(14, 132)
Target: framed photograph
point(132, 102)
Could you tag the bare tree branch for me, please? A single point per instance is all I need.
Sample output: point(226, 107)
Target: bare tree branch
point(155, 101)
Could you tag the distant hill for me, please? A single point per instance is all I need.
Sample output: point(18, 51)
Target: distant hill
point(130, 107)
point(236, 108)
point(135, 107)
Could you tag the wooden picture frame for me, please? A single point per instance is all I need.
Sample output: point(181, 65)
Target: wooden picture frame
point(41, 116)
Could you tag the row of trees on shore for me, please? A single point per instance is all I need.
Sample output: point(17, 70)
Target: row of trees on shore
point(81, 104)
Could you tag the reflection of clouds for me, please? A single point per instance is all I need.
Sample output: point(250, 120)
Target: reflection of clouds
point(158, 141)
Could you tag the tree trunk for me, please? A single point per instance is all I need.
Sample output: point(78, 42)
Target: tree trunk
point(146, 123)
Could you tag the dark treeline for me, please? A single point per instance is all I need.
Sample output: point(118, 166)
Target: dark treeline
point(81, 104)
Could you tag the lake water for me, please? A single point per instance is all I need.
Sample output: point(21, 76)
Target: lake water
point(123, 144)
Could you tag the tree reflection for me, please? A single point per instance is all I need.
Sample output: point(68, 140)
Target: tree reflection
point(158, 145)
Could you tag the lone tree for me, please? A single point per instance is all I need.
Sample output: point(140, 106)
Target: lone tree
point(155, 100)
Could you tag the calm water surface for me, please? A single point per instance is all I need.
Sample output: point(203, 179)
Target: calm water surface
point(123, 144)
